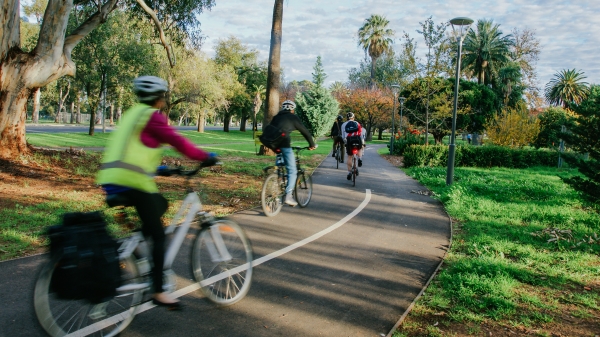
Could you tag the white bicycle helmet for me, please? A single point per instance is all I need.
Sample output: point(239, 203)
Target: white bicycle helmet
point(349, 115)
point(149, 88)
point(288, 105)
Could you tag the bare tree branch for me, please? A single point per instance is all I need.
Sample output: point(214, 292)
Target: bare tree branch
point(87, 26)
point(163, 39)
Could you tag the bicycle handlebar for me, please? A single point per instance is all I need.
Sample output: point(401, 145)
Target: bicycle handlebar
point(165, 171)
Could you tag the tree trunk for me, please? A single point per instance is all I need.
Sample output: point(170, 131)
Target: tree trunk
point(35, 115)
point(72, 112)
point(226, 121)
point(274, 69)
point(78, 118)
point(12, 124)
point(243, 122)
point(112, 111)
point(380, 134)
point(201, 121)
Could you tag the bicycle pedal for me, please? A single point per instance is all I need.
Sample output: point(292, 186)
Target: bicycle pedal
point(132, 287)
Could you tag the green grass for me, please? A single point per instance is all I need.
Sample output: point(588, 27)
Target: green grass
point(501, 265)
point(22, 226)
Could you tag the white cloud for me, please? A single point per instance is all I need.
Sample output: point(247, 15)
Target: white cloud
point(566, 29)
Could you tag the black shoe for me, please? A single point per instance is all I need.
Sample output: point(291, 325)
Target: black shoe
point(342, 160)
point(333, 154)
point(175, 306)
point(356, 172)
point(360, 163)
point(349, 177)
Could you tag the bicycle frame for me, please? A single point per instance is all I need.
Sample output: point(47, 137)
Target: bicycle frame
point(190, 208)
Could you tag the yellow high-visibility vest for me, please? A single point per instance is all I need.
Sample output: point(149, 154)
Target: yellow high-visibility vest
point(126, 160)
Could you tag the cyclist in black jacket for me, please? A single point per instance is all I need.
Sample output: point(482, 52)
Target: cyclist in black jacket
point(336, 135)
point(287, 122)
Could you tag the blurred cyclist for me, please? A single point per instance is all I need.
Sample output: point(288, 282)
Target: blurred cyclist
point(287, 122)
point(129, 164)
point(352, 130)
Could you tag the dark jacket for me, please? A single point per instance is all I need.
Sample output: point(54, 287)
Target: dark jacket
point(288, 122)
point(335, 129)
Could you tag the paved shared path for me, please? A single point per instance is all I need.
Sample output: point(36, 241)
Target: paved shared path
point(350, 264)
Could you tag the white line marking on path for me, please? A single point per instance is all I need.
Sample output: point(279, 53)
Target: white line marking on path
point(193, 287)
point(259, 261)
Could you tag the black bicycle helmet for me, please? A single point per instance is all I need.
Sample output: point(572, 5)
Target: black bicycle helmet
point(149, 88)
point(340, 118)
point(349, 115)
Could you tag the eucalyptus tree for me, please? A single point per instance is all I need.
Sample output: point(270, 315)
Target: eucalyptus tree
point(375, 38)
point(200, 81)
point(526, 51)
point(231, 52)
point(567, 87)
point(485, 50)
point(437, 63)
point(52, 57)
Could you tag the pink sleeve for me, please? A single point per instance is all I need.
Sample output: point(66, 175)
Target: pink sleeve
point(157, 132)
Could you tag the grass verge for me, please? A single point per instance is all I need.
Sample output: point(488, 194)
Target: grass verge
point(41, 186)
point(525, 257)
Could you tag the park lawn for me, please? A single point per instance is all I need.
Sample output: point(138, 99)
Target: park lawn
point(506, 270)
point(38, 188)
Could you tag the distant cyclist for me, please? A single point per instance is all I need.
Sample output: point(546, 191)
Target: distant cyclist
point(352, 129)
point(287, 121)
point(336, 135)
point(129, 164)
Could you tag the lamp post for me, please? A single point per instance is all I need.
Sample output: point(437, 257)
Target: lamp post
point(401, 99)
point(460, 26)
point(395, 90)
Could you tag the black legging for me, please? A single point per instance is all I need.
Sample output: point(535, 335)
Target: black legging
point(151, 207)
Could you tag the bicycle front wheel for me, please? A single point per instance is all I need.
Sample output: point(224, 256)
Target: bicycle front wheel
point(271, 195)
point(222, 262)
point(61, 317)
point(354, 169)
point(303, 190)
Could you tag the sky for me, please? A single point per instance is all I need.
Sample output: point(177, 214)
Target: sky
point(568, 30)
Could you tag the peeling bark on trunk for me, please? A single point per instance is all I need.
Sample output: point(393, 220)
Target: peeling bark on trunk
point(12, 125)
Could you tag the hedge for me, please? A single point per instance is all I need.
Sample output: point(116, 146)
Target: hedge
point(479, 156)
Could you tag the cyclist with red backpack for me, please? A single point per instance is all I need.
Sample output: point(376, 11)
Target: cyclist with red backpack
point(354, 137)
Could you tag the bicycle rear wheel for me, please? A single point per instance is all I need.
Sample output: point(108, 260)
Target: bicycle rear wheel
point(303, 190)
point(354, 170)
point(338, 156)
point(222, 262)
point(271, 196)
point(61, 317)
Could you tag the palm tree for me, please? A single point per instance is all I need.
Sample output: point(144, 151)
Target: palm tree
point(508, 76)
point(375, 38)
point(337, 88)
point(486, 50)
point(567, 87)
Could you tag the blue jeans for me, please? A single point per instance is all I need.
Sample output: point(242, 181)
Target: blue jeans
point(290, 165)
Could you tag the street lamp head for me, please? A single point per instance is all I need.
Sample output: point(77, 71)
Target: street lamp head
point(460, 27)
point(402, 99)
point(395, 89)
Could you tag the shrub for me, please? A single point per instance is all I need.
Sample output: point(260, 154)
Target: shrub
point(479, 156)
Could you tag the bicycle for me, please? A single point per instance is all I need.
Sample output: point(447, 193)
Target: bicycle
point(339, 154)
point(221, 262)
point(273, 190)
point(355, 148)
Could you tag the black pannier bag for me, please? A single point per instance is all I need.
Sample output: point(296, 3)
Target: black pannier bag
point(354, 141)
point(88, 260)
point(272, 137)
